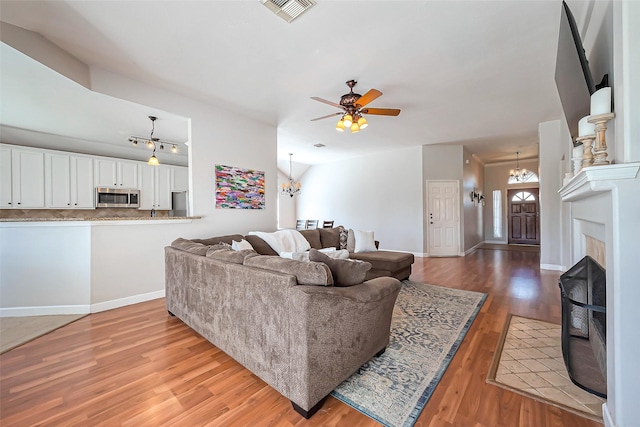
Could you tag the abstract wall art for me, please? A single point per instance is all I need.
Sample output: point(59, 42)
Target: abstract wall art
point(238, 188)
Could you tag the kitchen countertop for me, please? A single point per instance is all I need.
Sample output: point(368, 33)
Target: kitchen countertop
point(104, 219)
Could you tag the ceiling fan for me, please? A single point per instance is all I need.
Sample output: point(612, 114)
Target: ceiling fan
point(353, 109)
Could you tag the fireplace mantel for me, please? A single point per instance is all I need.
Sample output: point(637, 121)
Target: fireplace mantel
point(596, 179)
point(603, 204)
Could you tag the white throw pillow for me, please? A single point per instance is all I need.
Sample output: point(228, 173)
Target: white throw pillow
point(364, 241)
point(241, 245)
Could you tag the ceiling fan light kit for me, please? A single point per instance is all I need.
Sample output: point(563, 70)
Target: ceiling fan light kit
point(352, 105)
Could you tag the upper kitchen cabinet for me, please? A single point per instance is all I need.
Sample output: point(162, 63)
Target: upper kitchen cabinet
point(112, 173)
point(22, 178)
point(155, 187)
point(180, 178)
point(69, 181)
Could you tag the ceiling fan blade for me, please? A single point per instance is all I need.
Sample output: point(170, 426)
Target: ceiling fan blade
point(326, 117)
point(382, 111)
point(368, 97)
point(327, 102)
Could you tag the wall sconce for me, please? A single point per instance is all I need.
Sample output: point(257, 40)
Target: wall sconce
point(476, 197)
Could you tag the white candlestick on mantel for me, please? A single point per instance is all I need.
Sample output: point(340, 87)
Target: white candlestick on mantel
point(585, 128)
point(601, 101)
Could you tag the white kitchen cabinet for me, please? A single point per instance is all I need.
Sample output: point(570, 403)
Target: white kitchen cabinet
point(6, 178)
point(180, 178)
point(116, 173)
point(69, 181)
point(22, 178)
point(155, 187)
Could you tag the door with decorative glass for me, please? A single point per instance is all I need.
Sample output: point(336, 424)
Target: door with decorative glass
point(524, 216)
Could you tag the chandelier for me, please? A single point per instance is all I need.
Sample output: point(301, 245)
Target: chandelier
point(153, 143)
point(517, 174)
point(291, 187)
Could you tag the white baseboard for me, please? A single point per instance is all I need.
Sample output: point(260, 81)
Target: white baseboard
point(606, 416)
point(121, 302)
point(553, 267)
point(44, 310)
point(496, 242)
point(417, 254)
point(473, 248)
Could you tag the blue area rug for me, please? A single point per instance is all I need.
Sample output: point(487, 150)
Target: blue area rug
point(429, 323)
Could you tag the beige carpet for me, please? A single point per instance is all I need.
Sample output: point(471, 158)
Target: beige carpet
point(15, 331)
point(528, 360)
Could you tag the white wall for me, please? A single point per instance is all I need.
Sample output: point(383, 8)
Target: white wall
point(553, 143)
point(127, 260)
point(496, 176)
point(217, 137)
point(472, 215)
point(379, 192)
point(44, 270)
point(626, 36)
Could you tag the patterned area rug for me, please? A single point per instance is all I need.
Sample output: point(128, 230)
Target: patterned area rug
point(529, 361)
point(429, 323)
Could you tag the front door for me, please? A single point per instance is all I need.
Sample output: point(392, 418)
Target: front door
point(523, 216)
point(444, 219)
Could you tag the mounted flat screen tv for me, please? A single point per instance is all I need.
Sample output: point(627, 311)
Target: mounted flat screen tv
point(573, 76)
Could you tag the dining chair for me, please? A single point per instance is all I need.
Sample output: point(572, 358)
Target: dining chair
point(327, 224)
point(312, 223)
point(301, 224)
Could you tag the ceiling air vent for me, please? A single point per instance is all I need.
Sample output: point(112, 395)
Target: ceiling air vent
point(319, 145)
point(288, 9)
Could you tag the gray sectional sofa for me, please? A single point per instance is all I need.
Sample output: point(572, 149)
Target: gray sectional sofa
point(282, 319)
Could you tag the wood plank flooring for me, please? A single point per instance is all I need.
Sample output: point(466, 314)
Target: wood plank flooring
point(137, 366)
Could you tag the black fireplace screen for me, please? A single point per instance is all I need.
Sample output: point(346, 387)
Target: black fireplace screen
point(584, 325)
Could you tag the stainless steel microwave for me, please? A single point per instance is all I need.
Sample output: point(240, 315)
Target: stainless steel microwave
point(117, 198)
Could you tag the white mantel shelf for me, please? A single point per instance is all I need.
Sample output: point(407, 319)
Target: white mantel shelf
point(595, 179)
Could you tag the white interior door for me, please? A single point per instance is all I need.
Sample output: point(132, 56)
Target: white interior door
point(444, 218)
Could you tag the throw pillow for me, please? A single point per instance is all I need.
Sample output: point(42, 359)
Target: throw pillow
point(345, 272)
point(343, 237)
point(313, 237)
point(351, 241)
point(241, 245)
point(329, 237)
point(260, 245)
point(364, 241)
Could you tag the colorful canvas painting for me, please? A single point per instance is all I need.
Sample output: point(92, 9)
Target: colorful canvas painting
point(238, 188)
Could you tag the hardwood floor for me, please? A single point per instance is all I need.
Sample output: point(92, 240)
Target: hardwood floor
point(137, 366)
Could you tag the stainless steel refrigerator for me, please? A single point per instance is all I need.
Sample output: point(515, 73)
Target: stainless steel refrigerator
point(179, 202)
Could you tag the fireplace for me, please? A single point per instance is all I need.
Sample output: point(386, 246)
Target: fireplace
point(584, 325)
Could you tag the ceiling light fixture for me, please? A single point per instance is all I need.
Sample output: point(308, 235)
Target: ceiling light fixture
point(152, 143)
point(291, 187)
point(153, 160)
point(517, 174)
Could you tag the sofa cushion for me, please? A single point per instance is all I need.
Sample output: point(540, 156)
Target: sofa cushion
point(260, 245)
point(345, 272)
point(385, 260)
point(329, 237)
point(190, 246)
point(228, 255)
point(307, 273)
point(215, 240)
